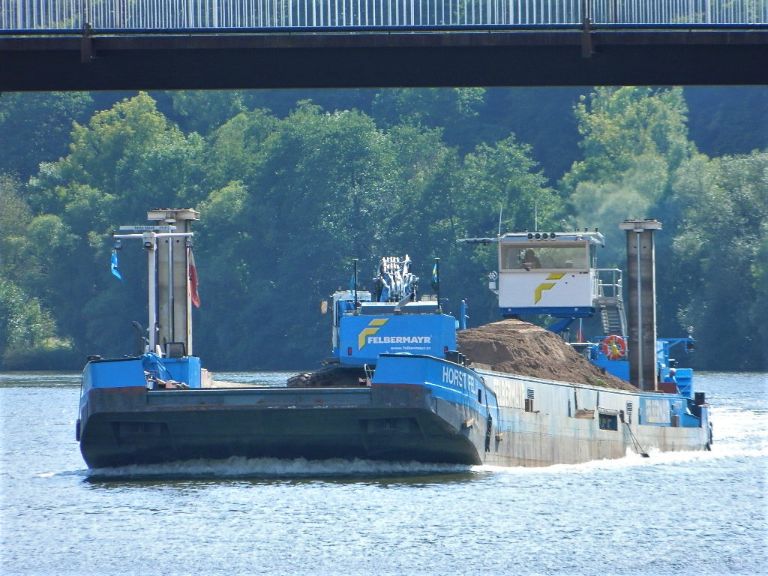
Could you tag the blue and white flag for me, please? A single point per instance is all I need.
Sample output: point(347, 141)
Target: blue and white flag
point(114, 266)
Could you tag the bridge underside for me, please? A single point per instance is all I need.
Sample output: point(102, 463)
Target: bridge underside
point(380, 59)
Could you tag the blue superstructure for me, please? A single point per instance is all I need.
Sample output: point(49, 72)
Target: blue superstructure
point(148, 369)
point(393, 319)
point(365, 337)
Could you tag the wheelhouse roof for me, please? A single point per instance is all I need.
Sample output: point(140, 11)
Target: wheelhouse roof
point(594, 237)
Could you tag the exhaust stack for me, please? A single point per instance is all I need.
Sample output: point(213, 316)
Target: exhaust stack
point(174, 309)
point(641, 283)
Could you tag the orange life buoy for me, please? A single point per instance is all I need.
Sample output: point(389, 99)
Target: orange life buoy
point(614, 347)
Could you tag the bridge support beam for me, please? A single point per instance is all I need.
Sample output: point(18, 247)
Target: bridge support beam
point(578, 56)
point(86, 45)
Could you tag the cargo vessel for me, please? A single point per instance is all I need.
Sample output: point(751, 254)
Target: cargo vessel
point(397, 387)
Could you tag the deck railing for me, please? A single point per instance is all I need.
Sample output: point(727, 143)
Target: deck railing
point(232, 15)
point(609, 283)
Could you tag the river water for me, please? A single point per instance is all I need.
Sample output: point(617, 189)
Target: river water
point(673, 513)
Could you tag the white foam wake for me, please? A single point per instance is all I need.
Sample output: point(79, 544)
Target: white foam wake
point(237, 467)
point(632, 460)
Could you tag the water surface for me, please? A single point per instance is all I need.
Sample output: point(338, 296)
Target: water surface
point(673, 513)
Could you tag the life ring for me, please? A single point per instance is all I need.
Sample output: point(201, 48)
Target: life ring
point(614, 347)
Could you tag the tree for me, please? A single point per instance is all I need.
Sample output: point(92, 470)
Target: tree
point(203, 111)
point(504, 177)
point(315, 195)
point(27, 329)
point(720, 255)
point(423, 219)
point(125, 161)
point(539, 116)
point(14, 218)
point(36, 128)
point(289, 198)
point(295, 200)
point(500, 187)
point(618, 125)
point(130, 151)
point(24, 324)
point(633, 141)
point(454, 110)
point(634, 193)
point(236, 151)
point(728, 119)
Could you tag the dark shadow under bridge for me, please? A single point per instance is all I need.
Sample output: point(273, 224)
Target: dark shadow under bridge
point(220, 44)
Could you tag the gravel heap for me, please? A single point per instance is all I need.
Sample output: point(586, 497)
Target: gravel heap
point(333, 376)
point(517, 347)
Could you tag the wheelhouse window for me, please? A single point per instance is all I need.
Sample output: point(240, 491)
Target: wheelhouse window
point(531, 256)
point(609, 422)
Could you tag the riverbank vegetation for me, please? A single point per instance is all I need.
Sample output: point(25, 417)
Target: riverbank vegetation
point(292, 185)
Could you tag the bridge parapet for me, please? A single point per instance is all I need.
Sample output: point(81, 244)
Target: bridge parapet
point(117, 16)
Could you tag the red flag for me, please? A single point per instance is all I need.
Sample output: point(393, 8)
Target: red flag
point(193, 280)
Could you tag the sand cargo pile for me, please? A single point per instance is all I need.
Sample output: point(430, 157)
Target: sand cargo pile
point(517, 347)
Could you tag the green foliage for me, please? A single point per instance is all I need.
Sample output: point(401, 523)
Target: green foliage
point(14, 217)
point(633, 139)
point(639, 163)
point(634, 194)
point(429, 107)
point(27, 332)
point(619, 125)
point(454, 110)
point(721, 247)
point(540, 117)
point(302, 196)
point(130, 151)
point(235, 149)
point(203, 111)
point(314, 196)
point(124, 161)
point(291, 191)
point(424, 218)
point(36, 127)
point(22, 320)
point(502, 177)
point(728, 119)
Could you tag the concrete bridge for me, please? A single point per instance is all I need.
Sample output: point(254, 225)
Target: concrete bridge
point(184, 44)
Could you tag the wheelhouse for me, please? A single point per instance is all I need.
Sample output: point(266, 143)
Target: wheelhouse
point(548, 273)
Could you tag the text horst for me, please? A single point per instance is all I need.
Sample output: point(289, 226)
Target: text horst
point(459, 379)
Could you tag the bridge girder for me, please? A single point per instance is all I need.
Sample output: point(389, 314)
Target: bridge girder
point(570, 57)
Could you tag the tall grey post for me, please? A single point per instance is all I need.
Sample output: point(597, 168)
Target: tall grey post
point(641, 285)
point(174, 305)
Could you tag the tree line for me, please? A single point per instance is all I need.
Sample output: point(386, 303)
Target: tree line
point(291, 190)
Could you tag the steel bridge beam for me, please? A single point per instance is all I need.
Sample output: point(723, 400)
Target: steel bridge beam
point(572, 57)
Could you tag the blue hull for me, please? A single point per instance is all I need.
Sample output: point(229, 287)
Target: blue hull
point(522, 421)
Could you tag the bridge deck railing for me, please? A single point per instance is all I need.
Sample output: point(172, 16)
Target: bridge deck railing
point(31, 16)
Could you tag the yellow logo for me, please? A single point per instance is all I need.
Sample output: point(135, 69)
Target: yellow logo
point(370, 330)
point(546, 285)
